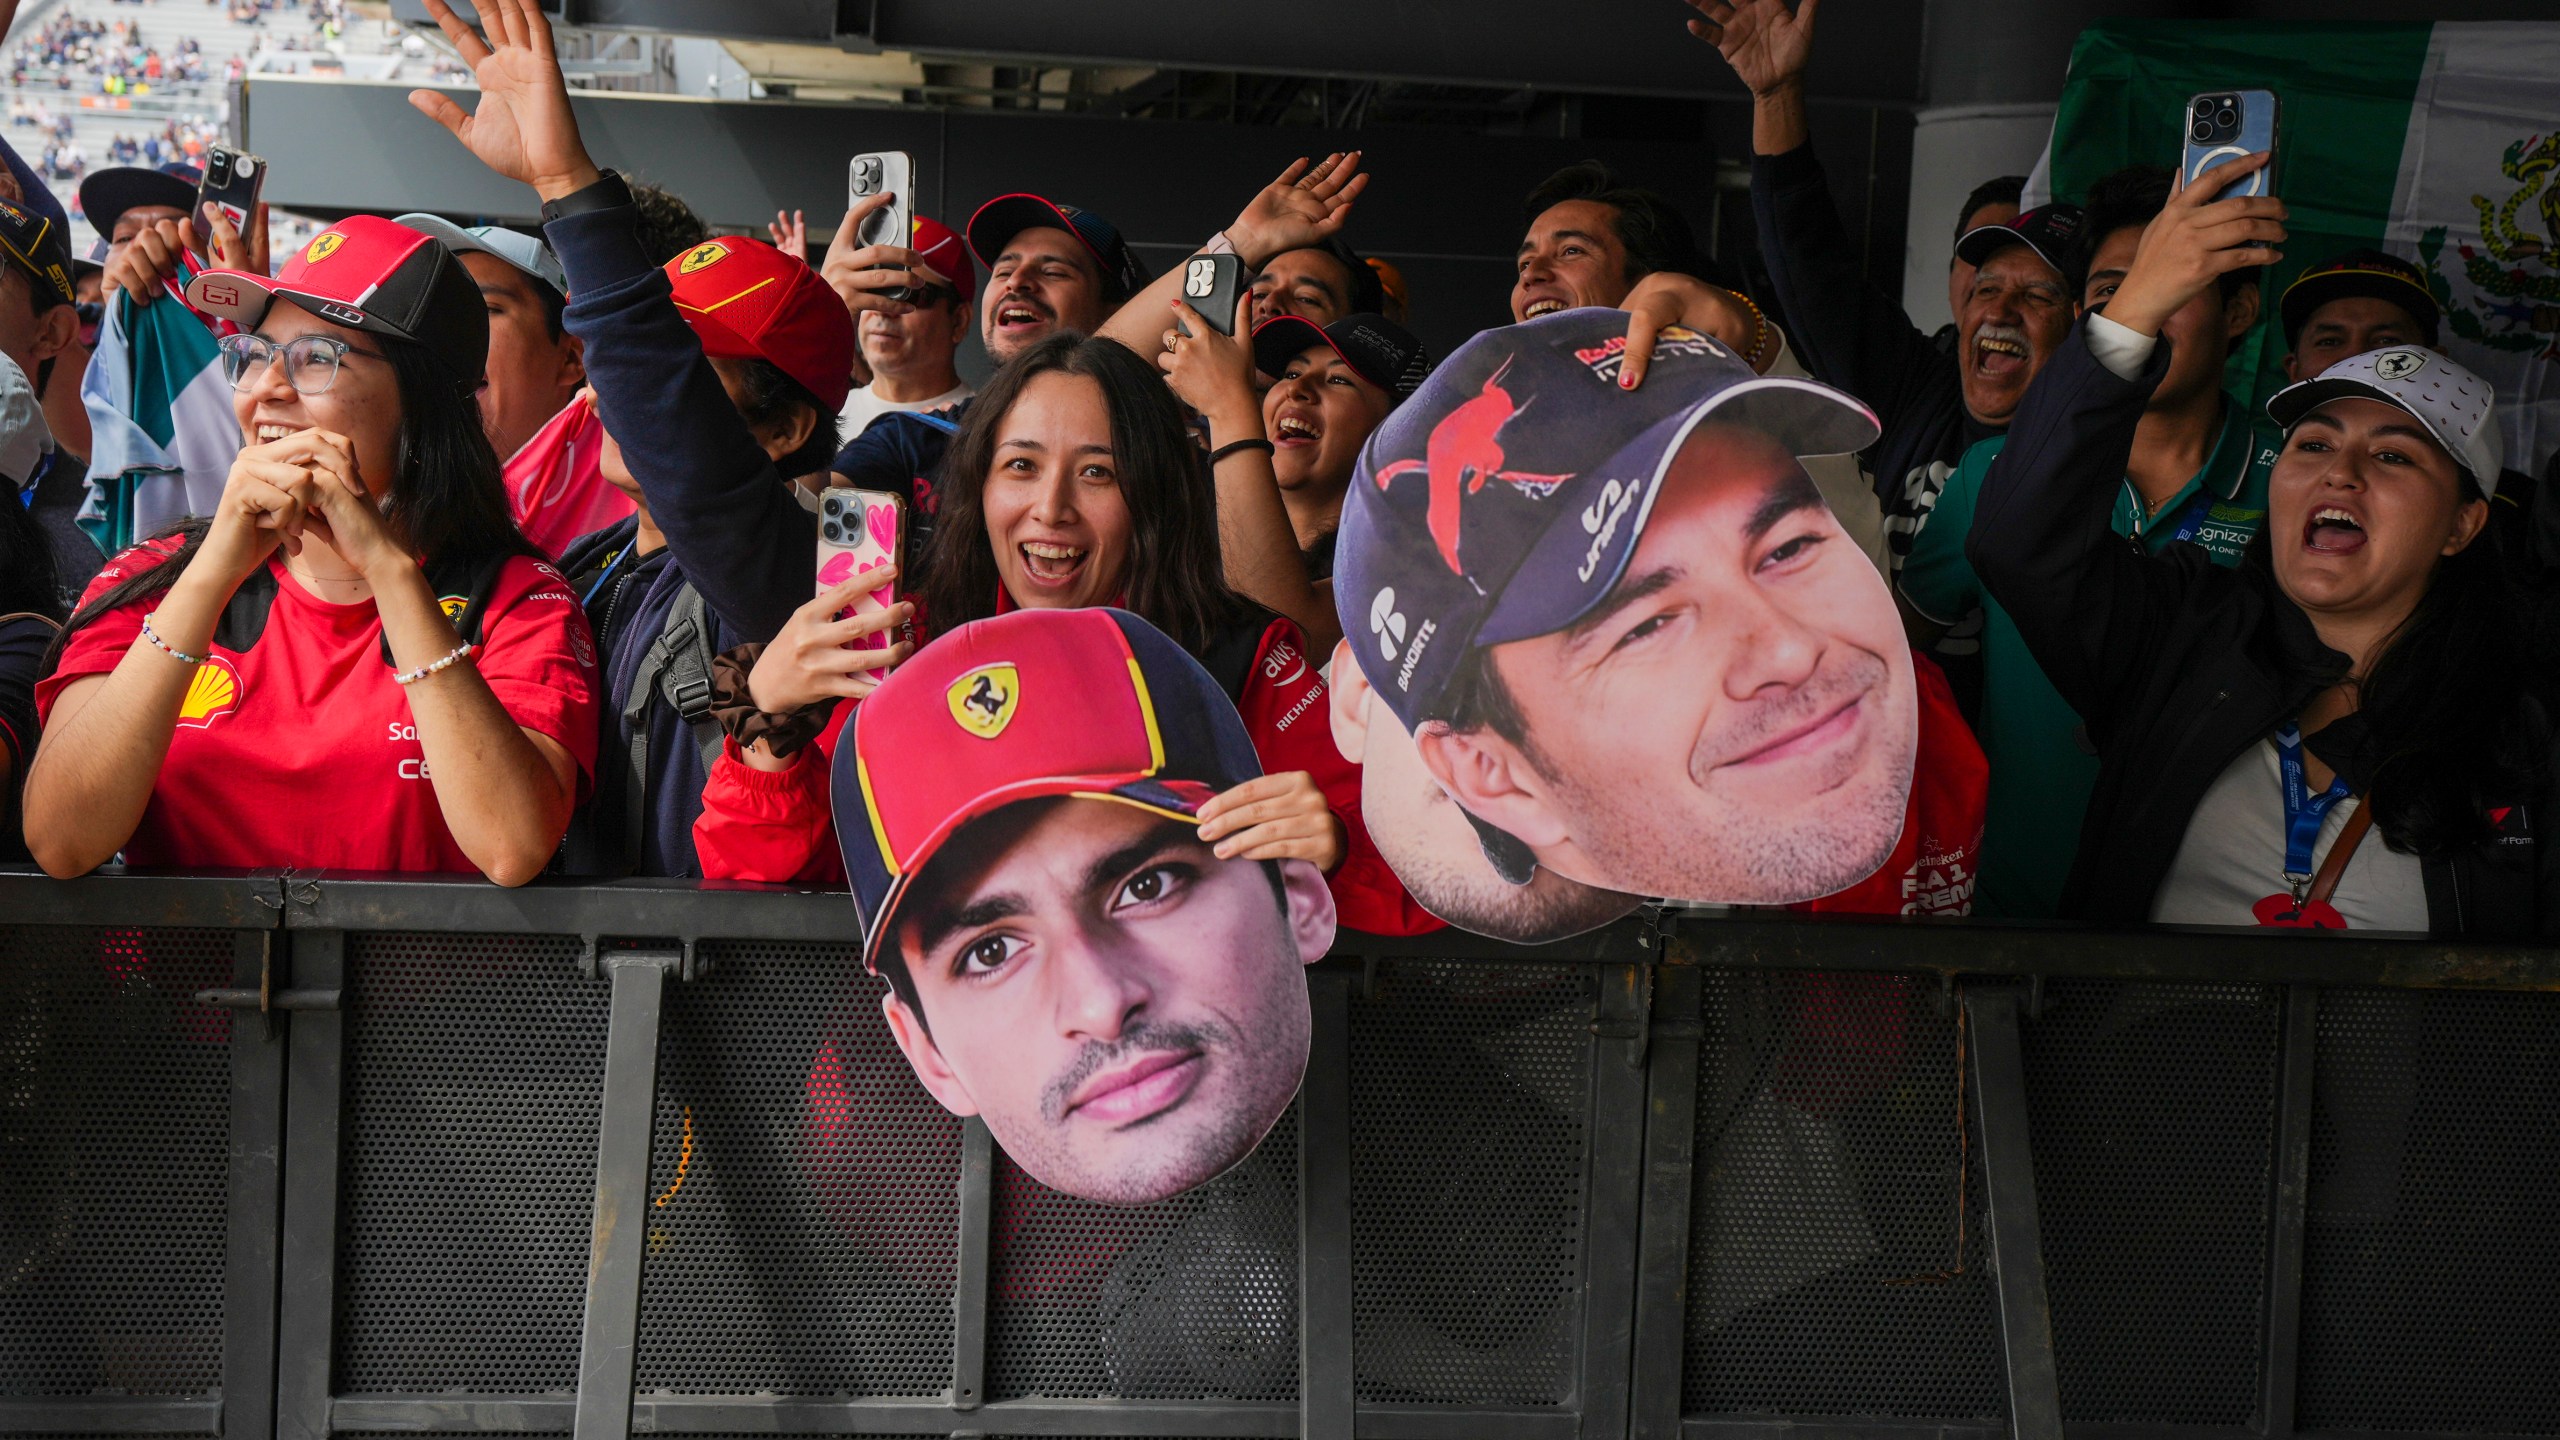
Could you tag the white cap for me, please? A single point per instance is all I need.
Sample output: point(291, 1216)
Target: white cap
point(2456, 406)
point(24, 437)
point(513, 246)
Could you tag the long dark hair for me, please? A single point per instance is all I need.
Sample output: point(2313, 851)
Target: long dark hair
point(1175, 581)
point(2453, 710)
point(449, 499)
point(27, 575)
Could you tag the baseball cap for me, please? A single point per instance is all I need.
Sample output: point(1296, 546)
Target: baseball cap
point(1006, 216)
point(1096, 704)
point(106, 194)
point(749, 301)
point(94, 258)
point(2052, 231)
point(371, 274)
point(1384, 353)
point(2359, 272)
point(941, 247)
point(24, 437)
point(35, 233)
point(2457, 407)
point(1465, 527)
point(523, 251)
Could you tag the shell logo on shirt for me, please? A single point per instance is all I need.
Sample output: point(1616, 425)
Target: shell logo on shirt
point(214, 692)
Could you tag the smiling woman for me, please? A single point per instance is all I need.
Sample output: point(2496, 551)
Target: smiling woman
point(357, 662)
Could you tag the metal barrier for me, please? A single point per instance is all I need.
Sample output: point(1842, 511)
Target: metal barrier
point(301, 1156)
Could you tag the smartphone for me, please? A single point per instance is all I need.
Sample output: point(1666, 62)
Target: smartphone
point(232, 180)
point(860, 530)
point(2227, 125)
point(1209, 285)
point(894, 223)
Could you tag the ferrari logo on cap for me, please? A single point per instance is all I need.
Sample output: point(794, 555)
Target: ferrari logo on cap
point(708, 253)
point(323, 245)
point(2399, 364)
point(983, 701)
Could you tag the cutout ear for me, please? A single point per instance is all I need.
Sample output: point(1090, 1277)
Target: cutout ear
point(1492, 781)
point(1311, 913)
point(1350, 708)
point(925, 1057)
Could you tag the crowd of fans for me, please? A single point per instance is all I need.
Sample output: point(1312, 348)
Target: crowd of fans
point(105, 57)
point(514, 571)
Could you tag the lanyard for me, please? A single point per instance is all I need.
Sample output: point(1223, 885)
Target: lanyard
point(2303, 811)
point(610, 566)
point(2191, 519)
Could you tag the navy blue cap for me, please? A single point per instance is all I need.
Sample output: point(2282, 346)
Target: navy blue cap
point(2052, 231)
point(1504, 499)
point(35, 234)
point(1006, 216)
point(108, 193)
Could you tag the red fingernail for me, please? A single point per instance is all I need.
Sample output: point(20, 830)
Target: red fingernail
point(1626, 379)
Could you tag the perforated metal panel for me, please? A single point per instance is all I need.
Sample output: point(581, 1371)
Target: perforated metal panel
point(804, 1214)
point(1825, 1207)
point(1470, 1108)
point(2431, 1297)
point(1193, 1298)
point(474, 1071)
point(114, 1133)
point(2153, 1114)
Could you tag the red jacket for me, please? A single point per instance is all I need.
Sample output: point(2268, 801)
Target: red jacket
point(778, 827)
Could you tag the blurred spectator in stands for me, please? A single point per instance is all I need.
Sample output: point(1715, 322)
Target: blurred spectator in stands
point(355, 662)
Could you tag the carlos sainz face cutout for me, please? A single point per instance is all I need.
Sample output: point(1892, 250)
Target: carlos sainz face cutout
point(1633, 652)
point(1067, 959)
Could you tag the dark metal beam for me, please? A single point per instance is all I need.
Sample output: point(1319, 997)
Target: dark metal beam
point(2290, 1169)
point(1327, 1402)
point(1613, 1203)
point(970, 1276)
point(256, 1205)
point(1670, 1152)
point(2013, 1234)
point(110, 1416)
point(306, 1323)
point(618, 1243)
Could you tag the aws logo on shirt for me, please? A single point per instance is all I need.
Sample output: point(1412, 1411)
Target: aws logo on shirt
point(215, 691)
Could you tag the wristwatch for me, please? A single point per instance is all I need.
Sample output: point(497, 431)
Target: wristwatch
point(609, 190)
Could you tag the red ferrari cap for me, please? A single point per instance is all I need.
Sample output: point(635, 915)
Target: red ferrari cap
point(1026, 705)
point(367, 273)
point(941, 247)
point(747, 300)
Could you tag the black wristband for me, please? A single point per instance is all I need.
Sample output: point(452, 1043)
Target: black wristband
point(1233, 446)
point(608, 191)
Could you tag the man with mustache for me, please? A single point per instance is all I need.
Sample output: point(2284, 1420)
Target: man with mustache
point(1066, 957)
point(1933, 405)
point(2196, 477)
point(1633, 646)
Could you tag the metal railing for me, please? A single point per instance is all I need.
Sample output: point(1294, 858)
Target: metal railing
point(306, 1155)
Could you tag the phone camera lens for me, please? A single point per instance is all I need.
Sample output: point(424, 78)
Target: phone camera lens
point(2202, 130)
point(2226, 116)
point(832, 530)
point(2205, 106)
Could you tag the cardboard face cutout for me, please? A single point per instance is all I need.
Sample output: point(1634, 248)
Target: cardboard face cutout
point(1630, 648)
point(1067, 959)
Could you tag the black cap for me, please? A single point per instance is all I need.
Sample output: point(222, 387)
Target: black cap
point(1006, 216)
point(1378, 349)
point(108, 193)
point(2368, 273)
point(2052, 231)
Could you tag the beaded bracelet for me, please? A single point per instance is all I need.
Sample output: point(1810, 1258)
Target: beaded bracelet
point(1759, 330)
point(1236, 447)
point(412, 677)
point(163, 646)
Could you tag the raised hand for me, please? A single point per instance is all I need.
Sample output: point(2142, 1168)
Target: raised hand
point(1210, 372)
point(1766, 43)
point(522, 128)
point(1307, 205)
point(2193, 242)
point(790, 232)
point(808, 662)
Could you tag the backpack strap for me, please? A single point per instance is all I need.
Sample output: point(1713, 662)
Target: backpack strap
point(677, 668)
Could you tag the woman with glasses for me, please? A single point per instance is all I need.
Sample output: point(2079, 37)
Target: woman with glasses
point(356, 662)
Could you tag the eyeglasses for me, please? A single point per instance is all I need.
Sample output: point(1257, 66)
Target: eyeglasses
point(310, 361)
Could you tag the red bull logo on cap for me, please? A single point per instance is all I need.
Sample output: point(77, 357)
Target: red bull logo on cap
point(1465, 450)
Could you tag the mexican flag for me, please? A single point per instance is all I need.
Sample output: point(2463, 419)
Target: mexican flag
point(2436, 142)
point(163, 434)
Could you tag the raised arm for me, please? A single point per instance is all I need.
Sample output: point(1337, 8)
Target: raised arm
point(1307, 205)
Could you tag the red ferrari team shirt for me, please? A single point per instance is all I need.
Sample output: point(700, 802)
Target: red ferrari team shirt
point(1932, 866)
point(301, 750)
